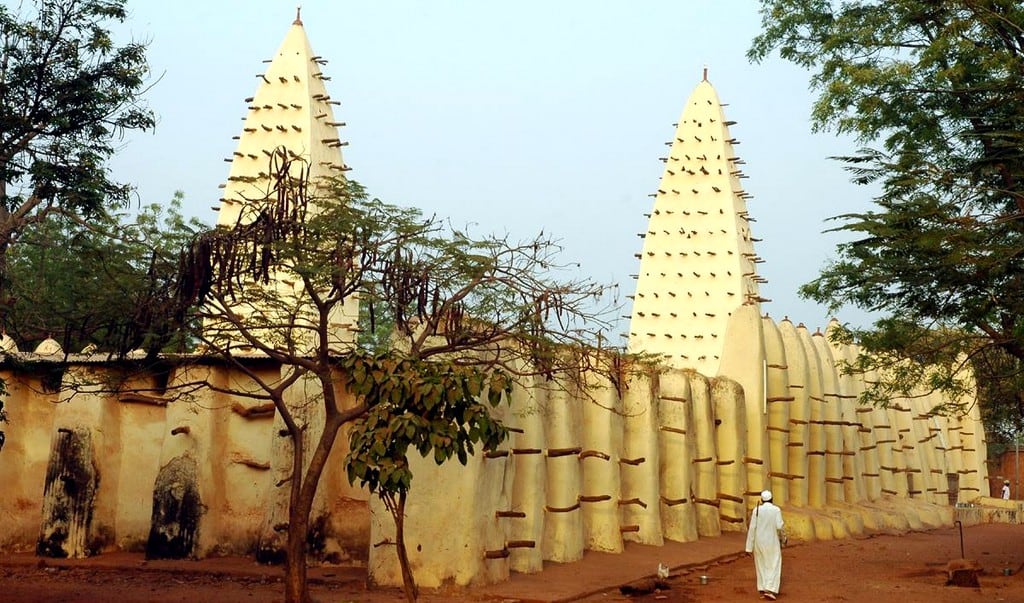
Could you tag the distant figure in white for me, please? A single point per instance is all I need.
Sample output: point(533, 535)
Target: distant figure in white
point(763, 540)
point(1006, 489)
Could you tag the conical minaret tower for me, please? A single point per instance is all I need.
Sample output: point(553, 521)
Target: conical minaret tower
point(291, 110)
point(698, 264)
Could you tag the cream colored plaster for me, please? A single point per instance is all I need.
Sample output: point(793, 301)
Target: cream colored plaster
point(110, 463)
point(453, 533)
point(48, 347)
point(599, 459)
point(563, 519)
point(799, 413)
point(449, 529)
point(662, 452)
point(953, 460)
point(887, 439)
point(248, 444)
point(346, 503)
point(868, 431)
point(916, 448)
point(640, 462)
point(292, 112)
point(305, 401)
point(187, 435)
point(974, 480)
point(951, 439)
point(292, 109)
point(976, 446)
point(830, 418)
point(745, 364)
point(778, 399)
point(528, 493)
point(697, 263)
point(497, 531)
point(803, 524)
point(733, 490)
point(499, 473)
point(7, 343)
point(23, 461)
point(852, 426)
point(907, 483)
point(934, 465)
point(678, 444)
point(705, 489)
point(85, 419)
point(497, 502)
point(139, 429)
point(816, 445)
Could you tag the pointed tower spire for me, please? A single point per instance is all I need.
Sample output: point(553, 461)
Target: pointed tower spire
point(290, 113)
point(698, 263)
point(291, 109)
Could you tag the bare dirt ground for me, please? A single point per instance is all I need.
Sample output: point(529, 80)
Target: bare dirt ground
point(909, 568)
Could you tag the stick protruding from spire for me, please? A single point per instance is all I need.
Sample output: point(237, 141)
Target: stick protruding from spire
point(705, 73)
point(298, 15)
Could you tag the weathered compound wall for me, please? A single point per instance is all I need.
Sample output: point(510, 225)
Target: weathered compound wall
point(644, 454)
point(672, 454)
point(105, 462)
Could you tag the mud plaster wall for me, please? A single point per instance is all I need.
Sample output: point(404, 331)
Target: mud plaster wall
point(135, 434)
point(670, 456)
point(642, 456)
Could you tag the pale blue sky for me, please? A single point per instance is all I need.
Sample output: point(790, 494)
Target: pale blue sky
point(517, 116)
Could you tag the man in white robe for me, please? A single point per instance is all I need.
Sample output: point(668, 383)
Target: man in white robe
point(763, 542)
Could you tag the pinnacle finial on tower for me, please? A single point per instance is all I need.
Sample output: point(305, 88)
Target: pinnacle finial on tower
point(705, 73)
point(298, 15)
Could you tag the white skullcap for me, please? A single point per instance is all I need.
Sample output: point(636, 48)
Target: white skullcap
point(766, 495)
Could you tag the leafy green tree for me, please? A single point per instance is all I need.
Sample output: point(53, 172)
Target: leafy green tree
point(1003, 412)
point(108, 283)
point(931, 90)
point(461, 311)
point(431, 407)
point(68, 94)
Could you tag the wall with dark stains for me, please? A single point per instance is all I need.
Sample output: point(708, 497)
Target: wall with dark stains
point(115, 457)
point(105, 458)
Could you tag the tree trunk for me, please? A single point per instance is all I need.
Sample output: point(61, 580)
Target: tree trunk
point(412, 592)
point(300, 504)
point(296, 590)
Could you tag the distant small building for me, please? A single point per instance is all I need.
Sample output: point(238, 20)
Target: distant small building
point(1008, 466)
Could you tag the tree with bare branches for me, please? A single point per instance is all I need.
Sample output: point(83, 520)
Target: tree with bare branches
point(465, 316)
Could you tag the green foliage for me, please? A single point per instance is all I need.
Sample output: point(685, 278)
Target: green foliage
point(902, 359)
point(107, 282)
point(932, 90)
point(448, 320)
point(375, 329)
point(434, 408)
point(68, 93)
point(1001, 385)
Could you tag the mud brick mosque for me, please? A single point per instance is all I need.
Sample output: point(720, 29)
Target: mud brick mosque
point(739, 403)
